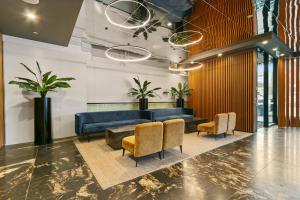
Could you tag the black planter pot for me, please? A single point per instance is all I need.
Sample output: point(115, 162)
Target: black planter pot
point(143, 104)
point(42, 121)
point(180, 103)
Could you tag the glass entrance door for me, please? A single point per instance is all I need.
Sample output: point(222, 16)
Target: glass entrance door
point(266, 90)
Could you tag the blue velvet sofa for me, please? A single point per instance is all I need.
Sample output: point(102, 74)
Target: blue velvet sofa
point(96, 122)
point(173, 113)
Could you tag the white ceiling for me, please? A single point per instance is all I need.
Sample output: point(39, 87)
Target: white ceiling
point(91, 28)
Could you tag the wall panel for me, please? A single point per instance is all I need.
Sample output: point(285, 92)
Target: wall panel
point(225, 84)
point(288, 74)
point(1, 95)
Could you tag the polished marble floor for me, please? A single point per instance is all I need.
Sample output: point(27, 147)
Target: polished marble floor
point(263, 166)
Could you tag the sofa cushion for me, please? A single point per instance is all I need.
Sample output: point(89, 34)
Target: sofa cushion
point(100, 127)
point(163, 118)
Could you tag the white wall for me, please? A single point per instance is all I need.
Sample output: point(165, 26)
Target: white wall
point(64, 61)
point(98, 79)
point(109, 81)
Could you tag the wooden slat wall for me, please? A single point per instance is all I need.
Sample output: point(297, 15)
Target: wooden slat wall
point(288, 69)
point(1, 95)
point(225, 84)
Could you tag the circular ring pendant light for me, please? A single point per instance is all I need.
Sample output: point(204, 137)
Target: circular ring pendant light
point(180, 39)
point(185, 66)
point(122, 24)
point(127, 53)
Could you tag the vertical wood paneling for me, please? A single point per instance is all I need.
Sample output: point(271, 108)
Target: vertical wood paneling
point(288, 71)
point(225, 84)
point(1, 94)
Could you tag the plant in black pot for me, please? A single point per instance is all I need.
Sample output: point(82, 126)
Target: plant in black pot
point(142, 92)
point(42, 84)
point(180, 92)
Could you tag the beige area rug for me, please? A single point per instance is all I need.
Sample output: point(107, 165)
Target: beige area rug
point(111, 168)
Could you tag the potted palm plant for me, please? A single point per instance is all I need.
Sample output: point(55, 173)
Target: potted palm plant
point(42, 84)
point(142, 92)
point(180, 92)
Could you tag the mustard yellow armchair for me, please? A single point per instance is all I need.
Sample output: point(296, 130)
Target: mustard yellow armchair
point(173, 134)
point(216, 127)
point(231, 122)
point(147, 139)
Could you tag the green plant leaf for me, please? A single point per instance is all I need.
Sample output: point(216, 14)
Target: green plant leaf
point(66, 79)
point(51, 80)
point(39, 68)
point(28, 69)
point(45, 76)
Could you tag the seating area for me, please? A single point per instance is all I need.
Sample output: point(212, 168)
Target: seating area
point(96, 122)
point(223, 123)
point(149, 99)
point(154, 137)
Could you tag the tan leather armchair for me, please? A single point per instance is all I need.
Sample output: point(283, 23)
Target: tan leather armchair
point(216, 127)
point(231, 122)
point(173, 134)
point(147, 139)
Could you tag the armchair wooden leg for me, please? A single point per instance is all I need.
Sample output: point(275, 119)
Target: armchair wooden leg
point(180, 148)
point(198, 133)
point(136, 161)
point(163, 153)
point(159, 155)
point(123, 151)
point(224, 135)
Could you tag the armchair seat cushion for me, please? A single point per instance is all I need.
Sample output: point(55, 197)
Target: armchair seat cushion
point(128, 143)
point(207, 127)
point(182, 116)
point(100, 127)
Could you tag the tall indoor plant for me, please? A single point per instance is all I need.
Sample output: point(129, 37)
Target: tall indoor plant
point(180, 92)
point(42, 84)
point(142, 92)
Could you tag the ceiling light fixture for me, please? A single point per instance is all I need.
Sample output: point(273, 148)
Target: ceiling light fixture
point(185, 66)
point(169, 24)
point(282, 54)
point(122, 25)
point(265, 42)
point(220, 54)
point(31, 1)
point(121, 48)
point(184, 36)
point(31, 16)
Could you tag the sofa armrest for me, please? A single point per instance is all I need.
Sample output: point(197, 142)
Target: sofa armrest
point(147, 114)
point(188, 111)
point(78, 124)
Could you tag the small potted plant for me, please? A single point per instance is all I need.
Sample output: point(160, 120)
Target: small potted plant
point(42, 84)
point(142, 92)
point(180, 92)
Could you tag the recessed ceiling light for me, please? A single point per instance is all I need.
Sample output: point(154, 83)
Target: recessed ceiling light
point(220, 54)
point(265, 42)
point(282, 54)
point(169, 24)
point(275, 49)
point(192, 62)
point(31, 16)
point(35, 33)
point(31, 1)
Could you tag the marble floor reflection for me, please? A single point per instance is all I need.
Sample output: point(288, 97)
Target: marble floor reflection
point(263, 166)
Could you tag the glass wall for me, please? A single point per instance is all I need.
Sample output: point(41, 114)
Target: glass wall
point(266, 90)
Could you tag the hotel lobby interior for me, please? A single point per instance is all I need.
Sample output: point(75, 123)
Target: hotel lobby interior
point(150, 99)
